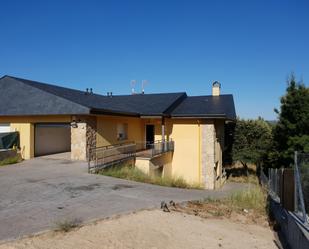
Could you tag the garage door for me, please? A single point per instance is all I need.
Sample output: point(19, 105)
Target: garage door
point(52, 139)
point(4, 127)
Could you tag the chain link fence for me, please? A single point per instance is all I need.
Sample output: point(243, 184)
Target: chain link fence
point(274, 183)
point(302, 185)
point(290, 186)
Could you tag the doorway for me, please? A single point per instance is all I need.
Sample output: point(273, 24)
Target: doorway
point(150, 132)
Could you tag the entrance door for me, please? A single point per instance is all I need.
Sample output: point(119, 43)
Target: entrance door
point(149, 135)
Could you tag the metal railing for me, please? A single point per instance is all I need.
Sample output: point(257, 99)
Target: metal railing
point(150, 150)
point(106, 156)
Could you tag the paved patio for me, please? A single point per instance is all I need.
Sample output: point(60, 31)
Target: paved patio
point(38, 193)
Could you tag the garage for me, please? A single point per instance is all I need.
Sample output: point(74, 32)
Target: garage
point(5, 127)
point(52, 138)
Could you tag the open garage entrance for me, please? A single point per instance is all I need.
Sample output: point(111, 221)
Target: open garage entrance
point(51, 138)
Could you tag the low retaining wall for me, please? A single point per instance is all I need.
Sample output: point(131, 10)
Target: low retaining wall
point(294, 233)
point(4, 154)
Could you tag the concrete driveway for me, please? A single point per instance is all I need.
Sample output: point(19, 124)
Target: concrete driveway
point(38, 193)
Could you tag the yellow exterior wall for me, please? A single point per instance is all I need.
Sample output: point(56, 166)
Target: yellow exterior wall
point(26, 131)
point(186, 158)
point(185, 162)
point(152, 166)
point(25, 126)
point(107, 129)
point(165, 160)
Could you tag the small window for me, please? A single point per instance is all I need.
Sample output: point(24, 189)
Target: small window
point(122, 131)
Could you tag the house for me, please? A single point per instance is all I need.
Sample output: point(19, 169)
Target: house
point(53, 119)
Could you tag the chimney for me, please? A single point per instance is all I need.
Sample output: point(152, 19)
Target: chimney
point(216, 86)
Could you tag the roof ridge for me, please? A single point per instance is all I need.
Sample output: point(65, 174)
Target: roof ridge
point(43, 83)
point(209, 95)
point(175, 104)
point(81, 91)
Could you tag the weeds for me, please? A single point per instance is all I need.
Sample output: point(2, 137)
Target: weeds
point(250, 203)
point(134, 174)
point(253, 198)
point(67, 225)
point(10, 160)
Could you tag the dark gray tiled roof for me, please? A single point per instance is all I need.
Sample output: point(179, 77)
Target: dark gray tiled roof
point(206, 106)
point(17, 98)
point(26, 97)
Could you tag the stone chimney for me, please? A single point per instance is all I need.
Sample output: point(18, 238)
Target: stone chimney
point(216, 86)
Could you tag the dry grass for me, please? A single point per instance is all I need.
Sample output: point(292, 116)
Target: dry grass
point(10, 160)
point(252, 179)
point(134, 174)
point(249, 206)
point(67, 225)
point(237, 173)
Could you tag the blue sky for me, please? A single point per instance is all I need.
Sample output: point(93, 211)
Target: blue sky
point(249, 46)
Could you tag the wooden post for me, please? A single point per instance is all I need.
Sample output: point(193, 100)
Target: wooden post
point(288, 194)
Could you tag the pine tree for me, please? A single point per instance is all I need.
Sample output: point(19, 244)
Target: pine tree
point(292, 130)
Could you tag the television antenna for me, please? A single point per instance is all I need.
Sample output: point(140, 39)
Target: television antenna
point(133, 83)
point(144, 83)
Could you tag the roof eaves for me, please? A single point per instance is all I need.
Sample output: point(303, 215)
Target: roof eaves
point(222, 115)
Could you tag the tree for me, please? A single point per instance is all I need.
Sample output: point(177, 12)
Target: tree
point(252, 141)
point(292, 130)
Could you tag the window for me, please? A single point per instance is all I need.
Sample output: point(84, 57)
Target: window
point(122, 131)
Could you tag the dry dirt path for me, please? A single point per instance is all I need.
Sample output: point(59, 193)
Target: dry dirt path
point(155, 229)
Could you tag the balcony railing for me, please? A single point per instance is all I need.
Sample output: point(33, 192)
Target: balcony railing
point(105, 156)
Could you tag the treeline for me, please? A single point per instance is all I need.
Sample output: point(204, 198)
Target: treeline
point(272, 144)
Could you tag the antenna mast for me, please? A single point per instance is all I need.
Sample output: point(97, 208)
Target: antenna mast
point(144, 83)
point(133, 83)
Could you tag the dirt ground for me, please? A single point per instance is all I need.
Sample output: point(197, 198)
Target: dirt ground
point(156, 229)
